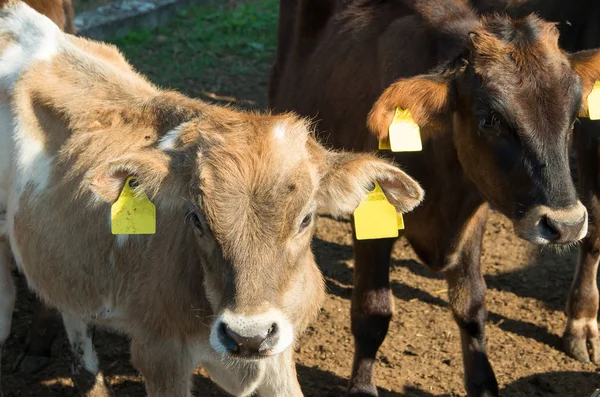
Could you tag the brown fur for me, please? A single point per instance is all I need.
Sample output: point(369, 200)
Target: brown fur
point(578, 21)
point(232, 191)
point(495, 98)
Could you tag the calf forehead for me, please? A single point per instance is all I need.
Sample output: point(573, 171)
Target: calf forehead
point(257, 182)
point(526, 75)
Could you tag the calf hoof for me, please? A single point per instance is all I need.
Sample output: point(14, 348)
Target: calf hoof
point(581, 340)
point(578, 348)
point(362, 391)
point(362, 394)
point(93, 385)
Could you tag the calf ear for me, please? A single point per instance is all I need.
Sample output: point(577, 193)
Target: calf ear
point(425, 96)
point(153, 169)
point(587, 65)
point(350, 177)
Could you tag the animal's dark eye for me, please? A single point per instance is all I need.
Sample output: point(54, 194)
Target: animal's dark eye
point(194, 218)
point(491, 119)
point(306, 221)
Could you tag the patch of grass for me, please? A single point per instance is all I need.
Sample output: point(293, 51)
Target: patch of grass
point(214, 52)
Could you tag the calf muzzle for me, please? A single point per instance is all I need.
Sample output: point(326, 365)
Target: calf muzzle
point(545, 225)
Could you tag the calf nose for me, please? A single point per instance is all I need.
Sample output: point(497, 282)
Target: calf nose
point(564, 226)
point(249, 344)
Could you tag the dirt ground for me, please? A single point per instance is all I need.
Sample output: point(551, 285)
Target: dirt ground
point(421, 355)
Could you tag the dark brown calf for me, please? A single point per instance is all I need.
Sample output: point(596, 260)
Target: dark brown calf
point(496, 100)
point(579, 23)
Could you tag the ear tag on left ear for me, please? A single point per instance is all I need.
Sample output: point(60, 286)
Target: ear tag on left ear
point(594, 102)
point(405, 135)
point(133, 212)
point(375, 217)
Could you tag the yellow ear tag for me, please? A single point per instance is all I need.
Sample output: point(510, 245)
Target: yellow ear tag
point(400, 222)
point(133, 212)
point(384, 144)
point(405, 135)
point(594, 102)
point(375, 217)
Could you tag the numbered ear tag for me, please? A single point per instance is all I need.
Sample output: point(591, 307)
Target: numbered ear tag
point(405, 135)
point(375, 217)
point(594, 102)
point(133, 212)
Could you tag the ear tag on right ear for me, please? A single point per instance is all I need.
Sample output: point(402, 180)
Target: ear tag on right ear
point(405, 135)
point(594, 102)
point(375, 217)
point(133, 212)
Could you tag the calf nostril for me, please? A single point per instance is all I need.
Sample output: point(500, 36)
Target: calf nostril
point(273, 330)
point(549, 228)
point(244, 345)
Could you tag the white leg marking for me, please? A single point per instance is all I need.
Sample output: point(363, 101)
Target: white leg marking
point(80, 340)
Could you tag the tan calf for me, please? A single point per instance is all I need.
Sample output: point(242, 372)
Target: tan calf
point(228, 281)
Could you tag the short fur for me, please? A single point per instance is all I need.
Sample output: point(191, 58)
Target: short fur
point(496, 100)
point(236, 195)
point(580, 31)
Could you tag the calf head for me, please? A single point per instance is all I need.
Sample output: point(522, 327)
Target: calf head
point(511, 99)
point(247, 188)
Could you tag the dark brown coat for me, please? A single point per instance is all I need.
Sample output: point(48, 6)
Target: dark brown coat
point(496, 99)
point(579, 24)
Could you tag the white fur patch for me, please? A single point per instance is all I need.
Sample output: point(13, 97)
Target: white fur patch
point(33, 164)
point(81, 343)
point(122, 239)
point(249, 326)
point(279, 132)
point(170, 140)
point(35, 38)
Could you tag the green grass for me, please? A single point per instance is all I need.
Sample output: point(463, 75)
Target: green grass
point(214, 52)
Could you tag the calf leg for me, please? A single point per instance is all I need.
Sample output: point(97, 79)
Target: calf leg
point(85, 372)
point(42, 332)
point(582, 303)
point(165, 364)
point(371, 310)
point(466, 291)
point(7, 294)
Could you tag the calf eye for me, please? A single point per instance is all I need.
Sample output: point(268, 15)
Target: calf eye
point(306, 221)
point(194, 218)
point(491, 119)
